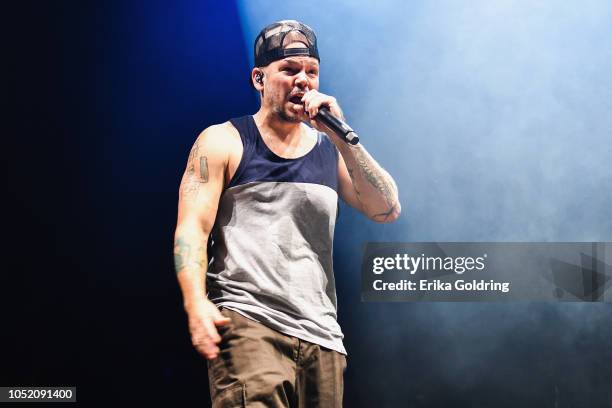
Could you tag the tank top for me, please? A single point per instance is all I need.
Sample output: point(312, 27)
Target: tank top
point(271, 245)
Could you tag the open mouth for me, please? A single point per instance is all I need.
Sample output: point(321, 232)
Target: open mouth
point(297, 99)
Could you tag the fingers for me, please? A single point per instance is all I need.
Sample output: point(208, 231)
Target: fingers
point(313, 100)
point(206, 337)
point(211, 330)
point(206, 347)
point(222, 321)
point(204, 318)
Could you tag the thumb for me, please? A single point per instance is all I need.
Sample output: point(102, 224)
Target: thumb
point(221, 320)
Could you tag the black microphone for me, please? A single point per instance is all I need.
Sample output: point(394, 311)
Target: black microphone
point(338, 126)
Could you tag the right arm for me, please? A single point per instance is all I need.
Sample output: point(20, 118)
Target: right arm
point(199, 194)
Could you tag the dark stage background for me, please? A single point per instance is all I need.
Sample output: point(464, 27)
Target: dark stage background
point(105, 101)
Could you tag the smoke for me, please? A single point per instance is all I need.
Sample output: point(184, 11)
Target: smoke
point(494, 119)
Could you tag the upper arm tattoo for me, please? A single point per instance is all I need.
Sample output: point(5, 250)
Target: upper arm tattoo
point(203, 169)
point(191, 181)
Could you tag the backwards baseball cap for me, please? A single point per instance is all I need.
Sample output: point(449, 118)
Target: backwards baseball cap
point(271, 42)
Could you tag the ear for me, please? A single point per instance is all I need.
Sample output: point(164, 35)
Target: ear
point(257, 76)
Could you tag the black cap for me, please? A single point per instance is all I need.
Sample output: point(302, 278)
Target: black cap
point(271, 42)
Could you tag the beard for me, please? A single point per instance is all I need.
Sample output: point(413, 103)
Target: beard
point(287, 114)
point(284, 108)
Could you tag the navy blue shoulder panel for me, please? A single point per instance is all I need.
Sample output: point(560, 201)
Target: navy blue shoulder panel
point(259, 163)
point(248, 138)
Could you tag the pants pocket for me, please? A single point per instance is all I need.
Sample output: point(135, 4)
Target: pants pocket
point(232, 397)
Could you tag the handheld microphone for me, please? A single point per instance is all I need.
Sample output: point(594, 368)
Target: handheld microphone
point(338, 126)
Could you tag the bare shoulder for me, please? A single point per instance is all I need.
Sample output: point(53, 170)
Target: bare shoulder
point(216, 153)
point(222, 139)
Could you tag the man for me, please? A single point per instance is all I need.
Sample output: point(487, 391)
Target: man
point(265, 189)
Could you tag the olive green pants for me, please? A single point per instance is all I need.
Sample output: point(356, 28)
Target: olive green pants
point(260, 367)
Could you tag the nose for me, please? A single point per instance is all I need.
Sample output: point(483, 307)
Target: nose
point(301, 80)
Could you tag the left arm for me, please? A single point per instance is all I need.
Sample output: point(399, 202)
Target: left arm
point(363, 183)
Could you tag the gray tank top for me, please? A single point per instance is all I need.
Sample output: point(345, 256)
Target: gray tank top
point(271, 246)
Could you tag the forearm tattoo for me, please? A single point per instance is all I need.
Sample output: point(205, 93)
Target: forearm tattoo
point(378, 178)
point(191, 181)
point(187, 255)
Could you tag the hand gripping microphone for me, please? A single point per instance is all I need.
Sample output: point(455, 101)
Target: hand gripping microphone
point(338, 126)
